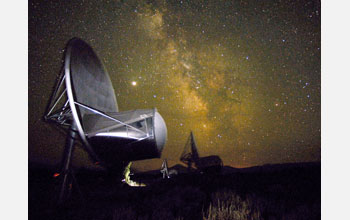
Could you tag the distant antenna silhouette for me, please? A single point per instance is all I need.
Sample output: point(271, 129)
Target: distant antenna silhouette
point(84, 103)
point(190, 153)
point(164, 169)
point(191, 156)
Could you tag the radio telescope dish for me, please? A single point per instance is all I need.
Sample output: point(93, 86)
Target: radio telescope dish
point(90, 83)
point(87, 83)
point(85, 102)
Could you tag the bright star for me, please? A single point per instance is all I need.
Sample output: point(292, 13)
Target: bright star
point(134, 83)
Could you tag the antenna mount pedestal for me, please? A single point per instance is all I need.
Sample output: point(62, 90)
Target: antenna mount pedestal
point(68, 176)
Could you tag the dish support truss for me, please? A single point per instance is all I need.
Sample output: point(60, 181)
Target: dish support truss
point(62, 108)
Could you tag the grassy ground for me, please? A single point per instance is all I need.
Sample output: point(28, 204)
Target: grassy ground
point(280, 192)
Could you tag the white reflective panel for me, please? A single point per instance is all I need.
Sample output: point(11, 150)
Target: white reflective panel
point(116, 134)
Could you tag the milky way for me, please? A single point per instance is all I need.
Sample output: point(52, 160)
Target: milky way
point(244, 76)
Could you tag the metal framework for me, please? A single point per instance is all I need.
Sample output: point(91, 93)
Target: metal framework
point(164, 169)
point(63, 110)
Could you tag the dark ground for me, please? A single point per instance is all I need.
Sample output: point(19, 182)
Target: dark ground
point(286, 191)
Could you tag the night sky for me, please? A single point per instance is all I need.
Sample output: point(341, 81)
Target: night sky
point(244, 76)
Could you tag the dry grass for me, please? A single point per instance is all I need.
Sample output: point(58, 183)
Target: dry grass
point(124, 213)
point(227, 205)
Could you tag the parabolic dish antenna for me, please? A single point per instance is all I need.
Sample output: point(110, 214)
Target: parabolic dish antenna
point(85, 102)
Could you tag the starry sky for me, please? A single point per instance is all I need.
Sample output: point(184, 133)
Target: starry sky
point(244, 76)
